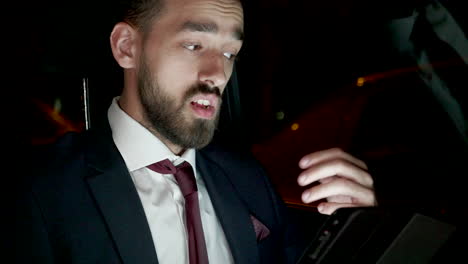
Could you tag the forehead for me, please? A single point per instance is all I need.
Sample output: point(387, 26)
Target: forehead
point(227, 14)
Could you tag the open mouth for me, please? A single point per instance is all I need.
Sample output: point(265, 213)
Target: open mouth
point(204, 107)
point(201, 103)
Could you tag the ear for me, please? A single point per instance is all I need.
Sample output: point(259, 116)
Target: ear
point(124, 42)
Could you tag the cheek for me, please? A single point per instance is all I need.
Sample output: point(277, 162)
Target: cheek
point(228, 68)
point(172, 68)
point(175, 77)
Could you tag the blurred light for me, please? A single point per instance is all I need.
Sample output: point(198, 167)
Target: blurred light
point(57, 105)
point(360, 81)
point(280, 115)
point(295, 127)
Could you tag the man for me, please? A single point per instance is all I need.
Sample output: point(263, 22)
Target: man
point(98, 199)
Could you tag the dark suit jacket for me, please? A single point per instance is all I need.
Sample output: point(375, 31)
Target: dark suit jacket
point(80, 206)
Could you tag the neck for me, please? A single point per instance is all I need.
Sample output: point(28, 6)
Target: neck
point(129, 100)
point(176, 149)
point(136, 113)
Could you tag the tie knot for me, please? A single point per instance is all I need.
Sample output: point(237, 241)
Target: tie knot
point(183, 174)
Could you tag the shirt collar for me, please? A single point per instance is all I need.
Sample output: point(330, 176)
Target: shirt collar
point(137, 145)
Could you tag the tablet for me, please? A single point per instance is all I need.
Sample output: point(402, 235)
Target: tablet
point(376, 235)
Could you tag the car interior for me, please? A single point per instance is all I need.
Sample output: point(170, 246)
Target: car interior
point(312, 75)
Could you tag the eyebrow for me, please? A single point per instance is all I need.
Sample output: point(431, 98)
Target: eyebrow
point(209, 27)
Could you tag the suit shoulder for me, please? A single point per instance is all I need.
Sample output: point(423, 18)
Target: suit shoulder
point(225, 155)
point(56, 159)
point(65, 148)
point(240, 166)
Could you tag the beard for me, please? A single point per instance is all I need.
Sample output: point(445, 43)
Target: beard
point(167, 118)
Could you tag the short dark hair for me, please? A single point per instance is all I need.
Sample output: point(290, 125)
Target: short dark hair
point(140, 13)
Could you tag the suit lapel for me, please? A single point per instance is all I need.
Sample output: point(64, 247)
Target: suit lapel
point(118, 201)
point(231, 211)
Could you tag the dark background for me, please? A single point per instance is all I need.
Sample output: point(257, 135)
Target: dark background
point(297, 87)
point(298, 69)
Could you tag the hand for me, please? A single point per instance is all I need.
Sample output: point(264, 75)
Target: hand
point(343, 180)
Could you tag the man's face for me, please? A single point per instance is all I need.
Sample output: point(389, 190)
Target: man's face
point(186, 61)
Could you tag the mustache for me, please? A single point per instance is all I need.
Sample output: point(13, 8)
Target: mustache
point(201, 88)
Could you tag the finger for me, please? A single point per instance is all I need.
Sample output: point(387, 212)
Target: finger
point(329, 208)
point(340, 187)
point(328, 179)
point(339, 199)
point(329, 154)
point(338, 167)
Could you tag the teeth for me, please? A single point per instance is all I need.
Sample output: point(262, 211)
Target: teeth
point(203, 102)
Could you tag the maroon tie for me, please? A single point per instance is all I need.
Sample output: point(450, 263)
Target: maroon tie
point(183, 173)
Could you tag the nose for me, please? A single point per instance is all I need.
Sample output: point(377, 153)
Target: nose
point(212, 71)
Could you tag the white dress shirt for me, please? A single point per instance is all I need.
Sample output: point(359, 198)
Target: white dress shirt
point(160, 195)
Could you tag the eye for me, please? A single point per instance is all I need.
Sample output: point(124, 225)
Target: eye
point(229, 56)
point(192, 47)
